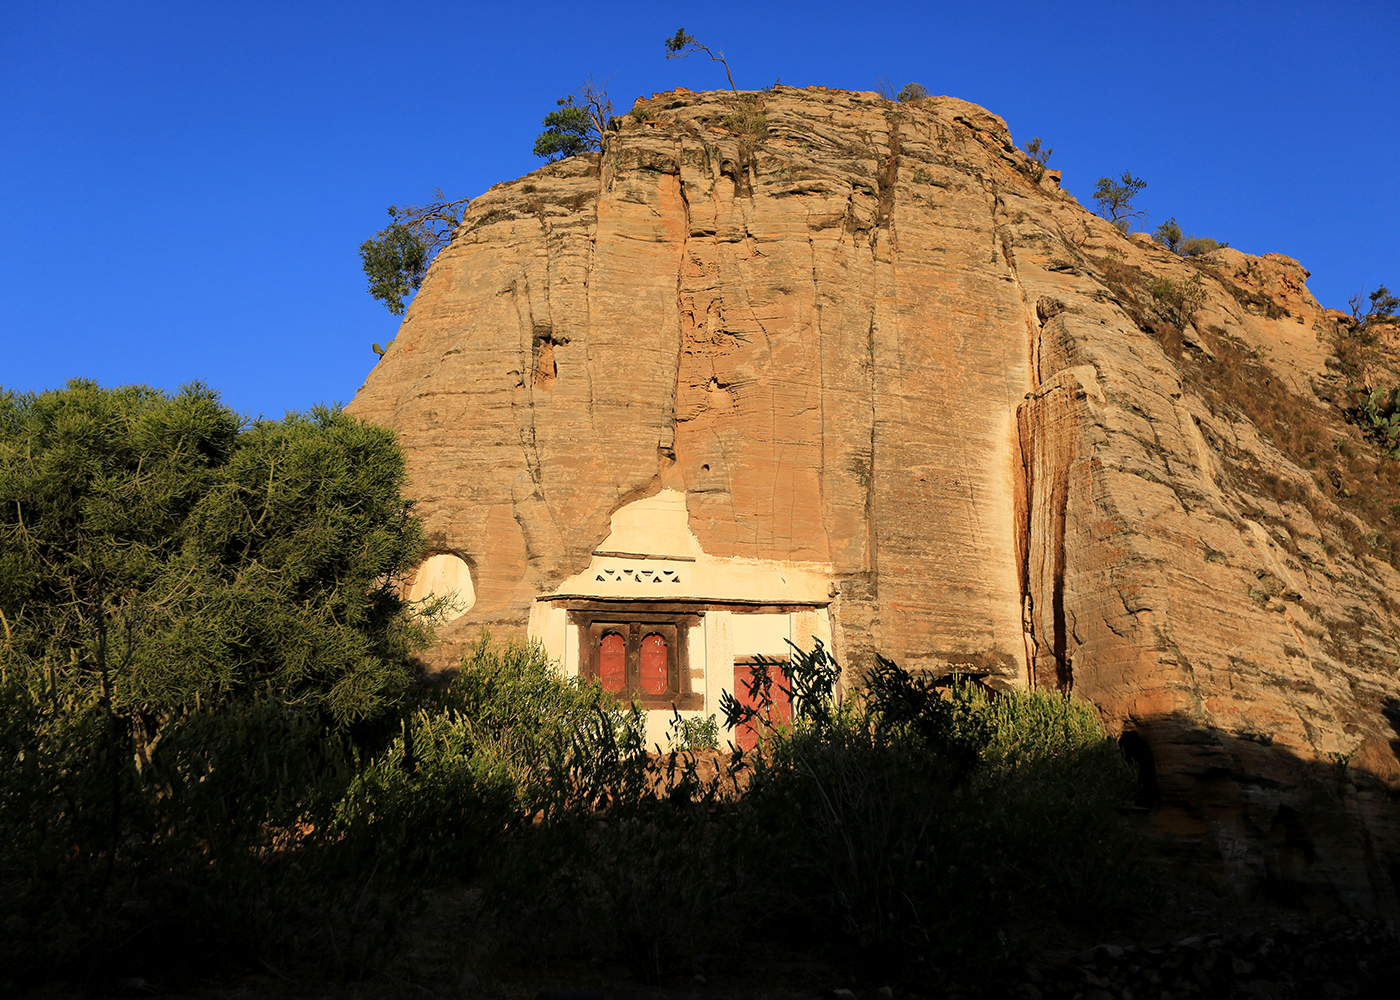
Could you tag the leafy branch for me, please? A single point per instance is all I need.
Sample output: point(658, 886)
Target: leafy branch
point(1039, 155)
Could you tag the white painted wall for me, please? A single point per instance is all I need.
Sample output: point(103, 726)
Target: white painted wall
point(444, 575)
point(651, 554)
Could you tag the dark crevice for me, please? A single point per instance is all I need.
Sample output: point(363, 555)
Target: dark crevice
point(1139, 753)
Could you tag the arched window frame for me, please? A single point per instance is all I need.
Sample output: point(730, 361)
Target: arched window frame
point(635, 627)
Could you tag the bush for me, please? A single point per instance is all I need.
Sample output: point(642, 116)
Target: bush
point(748, 120)
point(1177, 300)
point(1380, 413)
point(179, 864)
point(1039, 155)
point(1169, 235)
point(912, 821)
point(918, 817)
point(912, 92)
point(1199, 246)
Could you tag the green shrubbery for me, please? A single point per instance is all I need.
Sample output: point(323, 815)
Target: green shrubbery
point(904, 827)
point(1380, 413)
point(912, 93)
point(1376, 408)
point(1039, 156)
point(1177, 300)
point(1169, 235)
point(917, 819)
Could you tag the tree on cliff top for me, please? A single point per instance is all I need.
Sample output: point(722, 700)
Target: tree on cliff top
point(396, 259)
point(582, 122)
point(682, 44)
point(1115, 199)
point(1382, 308)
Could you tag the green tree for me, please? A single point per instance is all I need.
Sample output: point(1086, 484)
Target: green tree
point(1169, 235)
point(1039, 156)
point(682, 44)
point(1115, 199)
point(1382, 306)
point(200, 629)
point(158, 555)
point(582, 122)
point(396, 259)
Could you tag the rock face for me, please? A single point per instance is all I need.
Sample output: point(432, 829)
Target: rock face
point(927, 406)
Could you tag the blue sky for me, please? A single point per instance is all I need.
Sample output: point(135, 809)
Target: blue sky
point(183, 186)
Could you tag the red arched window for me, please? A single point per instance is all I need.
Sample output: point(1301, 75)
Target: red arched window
point(612, 663)
point(640, 659)
point(654, 664)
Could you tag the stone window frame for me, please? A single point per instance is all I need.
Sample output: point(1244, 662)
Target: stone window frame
point(635, 624)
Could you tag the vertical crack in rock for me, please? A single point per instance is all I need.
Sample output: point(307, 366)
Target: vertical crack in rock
point(522, 402)
point(1059, 504)
point(886, 182)
point(1023, 474)
point(666, 447)
point(1025, 485)
point(1047, 423)
point(872, 538)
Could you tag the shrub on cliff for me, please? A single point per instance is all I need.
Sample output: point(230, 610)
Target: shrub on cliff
point(1169, 235)
point(1199, 246)
point(1039, 156)
point(1380, 413)
point(1178, 301)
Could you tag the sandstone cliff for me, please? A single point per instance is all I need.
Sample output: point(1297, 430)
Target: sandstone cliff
point(861, 336)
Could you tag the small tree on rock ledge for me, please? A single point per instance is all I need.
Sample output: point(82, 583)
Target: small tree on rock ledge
point(682, 44)
point(396, 259)
point(582, 123)
point(1115, 199)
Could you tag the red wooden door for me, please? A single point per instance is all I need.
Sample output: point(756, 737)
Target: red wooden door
point(778, 712)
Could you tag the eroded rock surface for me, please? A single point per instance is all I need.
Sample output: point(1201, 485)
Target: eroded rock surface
point(862, 337)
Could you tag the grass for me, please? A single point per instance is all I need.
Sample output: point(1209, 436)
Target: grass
point(1357, 475)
